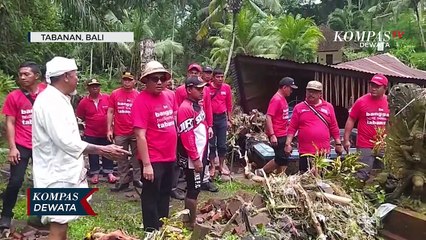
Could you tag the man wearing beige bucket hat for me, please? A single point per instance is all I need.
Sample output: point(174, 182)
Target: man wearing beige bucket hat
point(154, 116)
point(315, 121)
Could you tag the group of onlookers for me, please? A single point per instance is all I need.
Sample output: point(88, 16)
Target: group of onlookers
point(161, 134)
point(145, 132)
point(313, 122)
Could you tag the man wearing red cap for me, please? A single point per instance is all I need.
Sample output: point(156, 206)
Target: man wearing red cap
point(371, 111)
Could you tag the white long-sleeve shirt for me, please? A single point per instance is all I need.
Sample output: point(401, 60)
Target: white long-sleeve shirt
point(57, 145)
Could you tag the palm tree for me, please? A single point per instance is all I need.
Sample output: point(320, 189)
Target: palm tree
point(249, 38)
point(297, 37)
point(217, 12)
point(348, 18)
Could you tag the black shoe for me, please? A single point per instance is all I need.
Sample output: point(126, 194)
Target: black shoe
point(208, 186)
point(120, 187)
point(137, 184)
point(177, 194)
point(5, 222)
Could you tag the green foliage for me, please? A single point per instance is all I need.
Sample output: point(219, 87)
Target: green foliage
point(348, 18)
point(7, 84)
point(298, 38)
point(403, 51)
point(350, 54)
point(343, 172)
point(418, 60)
point(17, 18)
point(108, 85)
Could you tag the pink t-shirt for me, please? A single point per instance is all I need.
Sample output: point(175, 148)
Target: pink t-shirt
point(121, 101)
point(156, 114)
point(312, 131)
point(17, 105)
point(181, 95)
point(371, 114)
point(94, 116)
point(221, 99)
point(278, 110)
point(192, 129)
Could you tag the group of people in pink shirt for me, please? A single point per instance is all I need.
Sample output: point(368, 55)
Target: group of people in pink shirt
point(314, 123)
point(157, 126)
point(182, 132)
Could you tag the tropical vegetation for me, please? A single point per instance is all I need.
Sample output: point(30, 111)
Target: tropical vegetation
point(208, 32)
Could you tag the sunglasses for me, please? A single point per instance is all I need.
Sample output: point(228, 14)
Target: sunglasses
point(156, 78)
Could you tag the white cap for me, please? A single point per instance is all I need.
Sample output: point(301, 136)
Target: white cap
point(58, 66)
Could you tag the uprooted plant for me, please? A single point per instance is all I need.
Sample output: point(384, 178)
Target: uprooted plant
point(316, 205)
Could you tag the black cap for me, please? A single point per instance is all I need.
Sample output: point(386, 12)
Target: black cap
point(195, 82)
point(207, 69)
point(288, 81)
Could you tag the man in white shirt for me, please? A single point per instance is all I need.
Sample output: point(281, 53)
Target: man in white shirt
point(57, 146)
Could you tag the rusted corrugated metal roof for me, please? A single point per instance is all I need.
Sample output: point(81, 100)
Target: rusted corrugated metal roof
point(386, 64)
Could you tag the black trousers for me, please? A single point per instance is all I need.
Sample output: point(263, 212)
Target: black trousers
point(155, 197)
point(107, 164)
point(17, 175)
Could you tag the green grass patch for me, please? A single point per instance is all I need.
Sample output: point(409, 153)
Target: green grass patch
point(235, 186)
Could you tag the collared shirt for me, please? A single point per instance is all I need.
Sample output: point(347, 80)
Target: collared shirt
point(19, 106)
point(192, 127)
point(313, 134)
point(94, 115)
point(57, 145)
point(221, 99)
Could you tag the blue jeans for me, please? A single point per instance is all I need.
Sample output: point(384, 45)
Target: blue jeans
point(107, 164)
point(218, 141)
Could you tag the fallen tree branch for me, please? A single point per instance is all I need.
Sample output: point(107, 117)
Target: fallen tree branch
point(308, 202)
point(226, 227)
point(333, 198)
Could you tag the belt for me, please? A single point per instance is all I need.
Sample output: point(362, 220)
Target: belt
point(219, 114)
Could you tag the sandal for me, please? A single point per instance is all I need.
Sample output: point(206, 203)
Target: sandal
point(95, 179)
point(112, 178)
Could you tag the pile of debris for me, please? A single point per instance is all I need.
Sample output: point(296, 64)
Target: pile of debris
point(301, 206)
point(293, 207)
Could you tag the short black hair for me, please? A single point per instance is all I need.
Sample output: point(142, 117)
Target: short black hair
point(35, 68)
point(217, 71)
